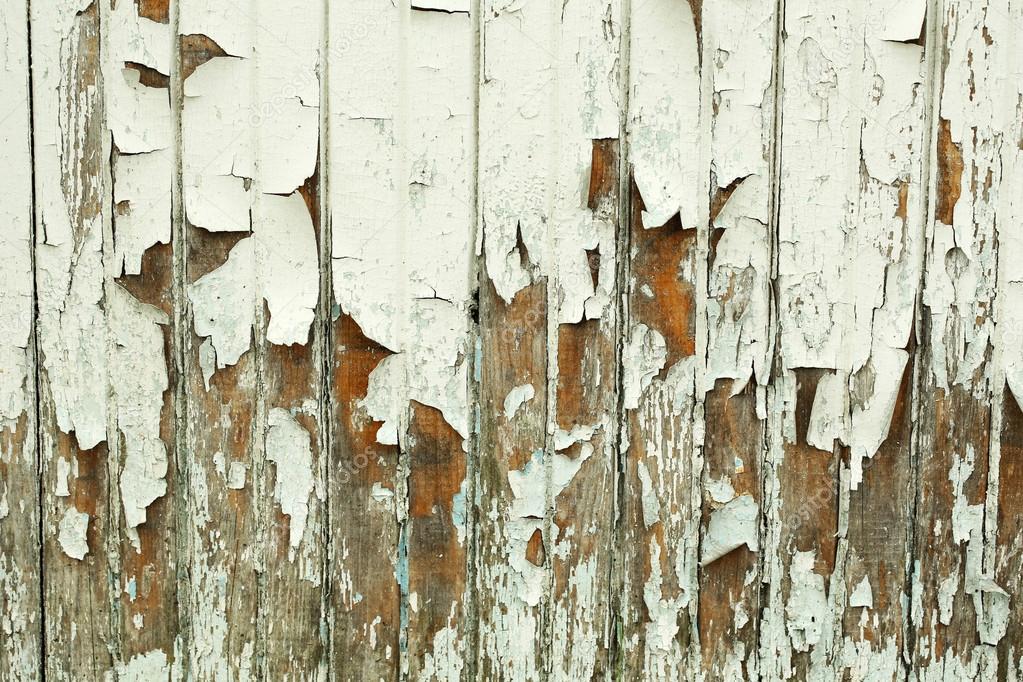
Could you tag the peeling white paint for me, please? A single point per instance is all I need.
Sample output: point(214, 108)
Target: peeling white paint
point(16, 216)
point(664, 111)
point(74, 526)
point(735, 524)
point(289, 447)
point(223, 306)
point(148, 667)
point(516, 398)
point(807, 605)
point(69, 269)
point(287, 266)
point(862, 596)
point(138, 382)
point(644, 357)
point(401, 187)
point(851, 255)
point(218, 162)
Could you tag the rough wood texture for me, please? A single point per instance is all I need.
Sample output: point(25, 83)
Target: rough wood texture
point(503, 340)
point(71, 170)
point(20, 572)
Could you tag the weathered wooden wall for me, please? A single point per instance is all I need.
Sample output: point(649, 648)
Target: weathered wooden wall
point(511, 340)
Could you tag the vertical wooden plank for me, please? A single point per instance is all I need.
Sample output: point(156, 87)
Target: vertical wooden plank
point(661, 363)
point(70, 167)
point(740, 42)
point(800, 542)
point(21, 617)
point(1008, 557)
point(511, 553)
point(250, 130)
point(289, 335)
point(137, 49)
point(220, 373)
point(363, 202)
point(549, 157)
point(585, 233)
point(878, 449)
point(849, 263)
point(440, 145)
point(400, 178)
point(1003, 612)
point(513, 558)
point(880, 539)
point(963, 609)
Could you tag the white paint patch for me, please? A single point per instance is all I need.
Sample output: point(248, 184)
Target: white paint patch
point(289, 447)
point(862, 596)
point(15, 216)
point(224, 307)
point(148, 667)
point(63, 474)
point(739, 301)
point(807, 606)
point(139, 118)
point(218, 162)
point(664, 111)
point(69, 264)
point(516, 398)
point(288, 270)
point(74, 527)
point(651, 504)
point(732, 526)
point(401, 251)
point(644, 357)
point(142, 193)
point(236, 474)
point(138, 382)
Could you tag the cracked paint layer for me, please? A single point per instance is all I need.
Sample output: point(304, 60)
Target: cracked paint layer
point(288, 447)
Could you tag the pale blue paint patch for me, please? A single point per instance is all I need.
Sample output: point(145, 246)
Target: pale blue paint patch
point(478, 367)
point(458, 509)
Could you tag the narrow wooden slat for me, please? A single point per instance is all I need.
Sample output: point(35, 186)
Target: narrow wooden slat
point(21, 617)
point(975, 141)
point(658, 535)
point(800, 539)
point(850, 200)
point(584, 228)
point(587, 401)
point(363, 474)
point(289, 336)
point(220, 372)
point(549, 157)
point(741, 52)
point(137, 49)
point(70, 167)
point(513, 557)
point(400, 177)
point(440, 148)
point(880, 539)
point(878, 545)
point(365, 600)
point(296, 549)
point(1008, 568)
point(511, 554)
point(1003, 621)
